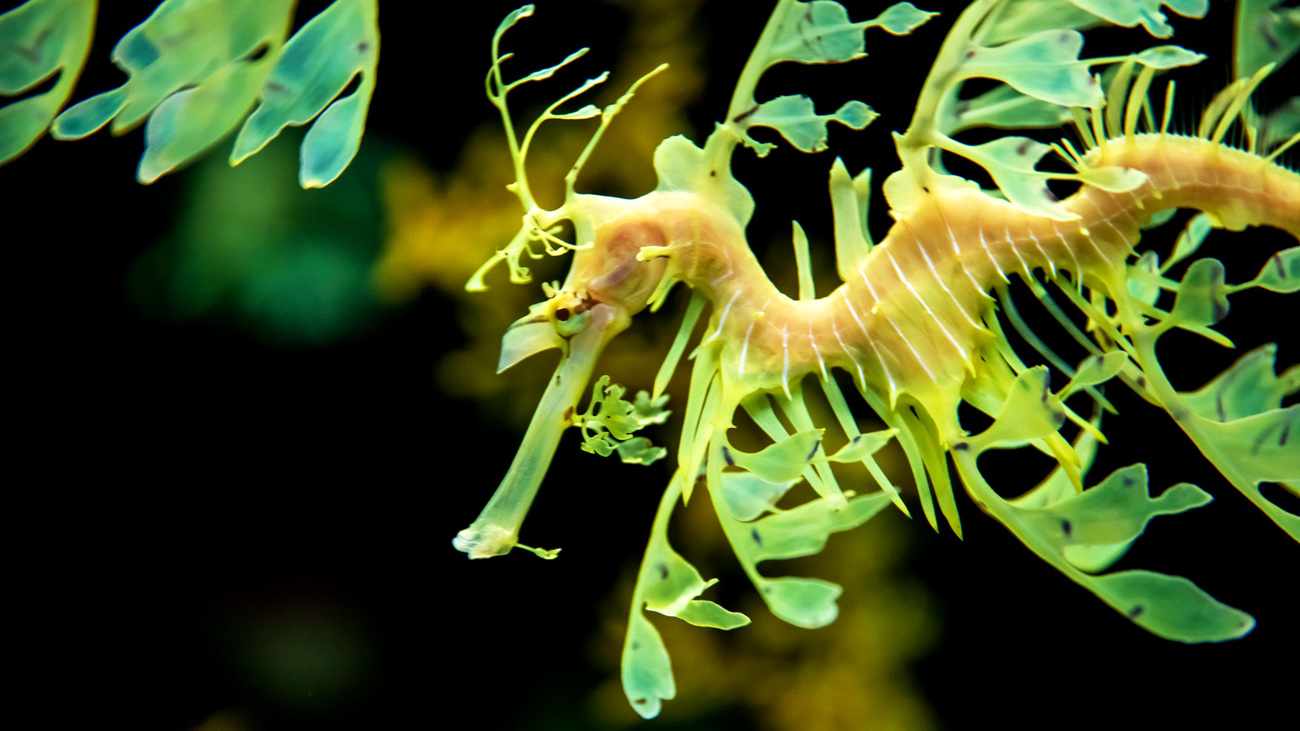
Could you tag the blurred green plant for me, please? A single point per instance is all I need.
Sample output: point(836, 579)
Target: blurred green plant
point(196, 68)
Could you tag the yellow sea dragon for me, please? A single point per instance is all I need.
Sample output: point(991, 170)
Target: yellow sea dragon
point(917, 322)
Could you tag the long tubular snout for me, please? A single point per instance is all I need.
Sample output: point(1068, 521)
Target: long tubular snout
point(496, 530)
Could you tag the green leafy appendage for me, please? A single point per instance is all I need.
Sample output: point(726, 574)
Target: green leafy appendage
point(197, 68)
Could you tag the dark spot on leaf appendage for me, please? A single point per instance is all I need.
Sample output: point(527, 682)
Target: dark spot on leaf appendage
point(1136, 611)
point(1128, 481)
point(276, 87)
point(767, 590)
point(1023, 147)
point(640, 701)
point(1277, 262)
point(745, 115)
point(961, 447)
point(1141, 381)
point(1269, 39)
point(1286, 431)
point(960, 110)
point(568, 414)
point(363, 46)
point(32, 53)
point(1220, 312)
point(257, 53)
point(663, 571)
point(1218, 406)
point(813, 453)
point(563, 314)
point(1066, 528)
point(970, 54)
point(726, 456)
point(758, 540)
point(925, 188)
point(713, 173)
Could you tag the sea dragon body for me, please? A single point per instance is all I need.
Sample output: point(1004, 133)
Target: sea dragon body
point(916, 325)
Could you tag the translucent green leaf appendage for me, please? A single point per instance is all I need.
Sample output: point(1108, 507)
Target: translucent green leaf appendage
point(40, 39)
point(1084, 533)
point(610, 421)
point(316, 65)
point(197, 67)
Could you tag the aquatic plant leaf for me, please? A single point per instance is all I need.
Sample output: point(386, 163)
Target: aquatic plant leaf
point(39, 39)
point(647, 673)
point(196, 69)
point(808, 603)
point(1171, 606)
point(794, 117)
point(1129, 13)
point(315, 66)
point(1044, 65)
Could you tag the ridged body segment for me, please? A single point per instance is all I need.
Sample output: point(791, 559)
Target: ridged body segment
point(908, 320)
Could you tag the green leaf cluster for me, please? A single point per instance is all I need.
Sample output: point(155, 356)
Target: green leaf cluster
point(196, 69)
point(610, 421)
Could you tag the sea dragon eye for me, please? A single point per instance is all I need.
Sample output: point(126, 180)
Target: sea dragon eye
point(568, 312)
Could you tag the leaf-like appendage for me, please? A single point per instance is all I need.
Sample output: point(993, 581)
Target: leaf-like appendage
point(793, 116)
point(1031, 411)
point(1248, 387)
point(1129, 13)
point(39, 39)
point(610, 421)
point(782, 461)
point(316, 65)
point(667, 584)
point(821, 32)
point(647, 673)
point(1044, 65)
point(1281, 273)
point(1202, 295)
point(197, 68)
point(1265, 19)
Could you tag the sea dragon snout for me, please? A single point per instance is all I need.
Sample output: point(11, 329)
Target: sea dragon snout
point(606, 286)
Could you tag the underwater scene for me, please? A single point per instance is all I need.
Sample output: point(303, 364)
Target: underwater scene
point(881, 461)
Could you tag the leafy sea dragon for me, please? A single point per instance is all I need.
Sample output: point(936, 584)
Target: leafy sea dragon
point(917, 322)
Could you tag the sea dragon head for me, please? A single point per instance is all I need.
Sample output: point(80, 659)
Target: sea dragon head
point(607, 284)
